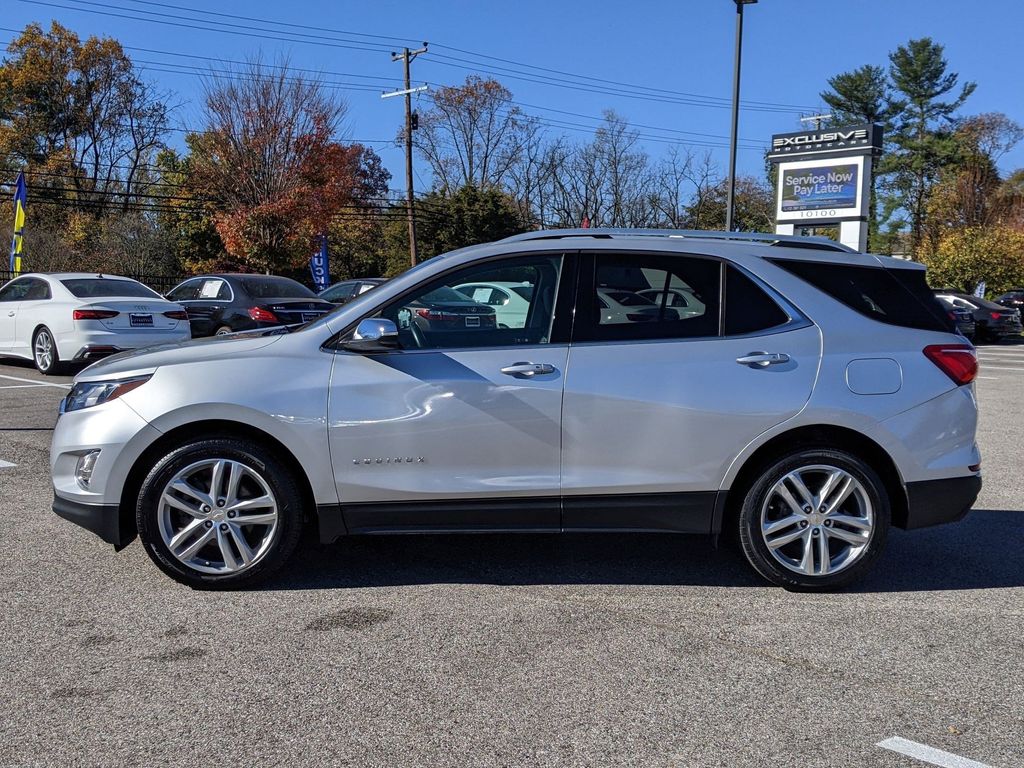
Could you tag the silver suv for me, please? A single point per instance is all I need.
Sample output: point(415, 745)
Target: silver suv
point(806, 399)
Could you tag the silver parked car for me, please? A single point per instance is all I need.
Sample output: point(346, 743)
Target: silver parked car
point(813, 398)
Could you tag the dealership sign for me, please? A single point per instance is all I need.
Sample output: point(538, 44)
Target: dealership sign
point(856, 139)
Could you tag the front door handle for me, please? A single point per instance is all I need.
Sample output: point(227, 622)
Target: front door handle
point(11, 313)
point(763, 359)
point(526, 370)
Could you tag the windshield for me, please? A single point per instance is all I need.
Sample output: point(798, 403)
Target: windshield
point(105, 287)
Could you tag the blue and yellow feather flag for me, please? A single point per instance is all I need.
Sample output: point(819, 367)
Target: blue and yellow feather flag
point(20, 201)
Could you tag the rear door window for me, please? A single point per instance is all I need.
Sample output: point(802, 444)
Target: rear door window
point(748, 309)
point(893, 296)
point(619, 302)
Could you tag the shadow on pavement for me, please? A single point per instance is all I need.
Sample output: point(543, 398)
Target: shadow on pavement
point(981, 552)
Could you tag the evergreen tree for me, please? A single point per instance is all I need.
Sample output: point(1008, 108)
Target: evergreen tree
point(864, 96)
point(924, 139)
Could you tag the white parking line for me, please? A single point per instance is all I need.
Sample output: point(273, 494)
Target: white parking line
point(989, 367)
point(990, 378)
point(928, 754)
point(37, 383)
point(19, 386)
point(6, 464)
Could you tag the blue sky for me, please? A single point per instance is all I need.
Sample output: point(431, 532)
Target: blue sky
point(684, 47)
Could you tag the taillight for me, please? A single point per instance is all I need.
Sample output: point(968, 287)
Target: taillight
point(995, 315)
point(957, 361)
point(177, 314)
point(261, 315)
point(93, 314)
point(436, 314)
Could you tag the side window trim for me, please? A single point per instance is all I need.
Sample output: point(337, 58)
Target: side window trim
point(182, 285)
point(566, 297)
point(586, 286)
point(587, 298)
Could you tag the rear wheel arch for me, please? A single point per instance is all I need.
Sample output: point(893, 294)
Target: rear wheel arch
point(816, 436)
point(202, 430)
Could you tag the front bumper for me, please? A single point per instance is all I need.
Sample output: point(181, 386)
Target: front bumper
point(105, 520)
point(934, 502)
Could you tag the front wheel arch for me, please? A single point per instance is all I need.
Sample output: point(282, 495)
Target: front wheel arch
point(200, 430)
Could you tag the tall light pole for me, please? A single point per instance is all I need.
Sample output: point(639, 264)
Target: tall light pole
point(730, 202)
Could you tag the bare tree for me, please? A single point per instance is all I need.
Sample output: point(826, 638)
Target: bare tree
point(473, 135)
point(269, 158)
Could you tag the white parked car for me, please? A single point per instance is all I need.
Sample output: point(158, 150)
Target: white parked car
point(511, 301)
point(56, 318)
point(624, 306)
point(680, 299)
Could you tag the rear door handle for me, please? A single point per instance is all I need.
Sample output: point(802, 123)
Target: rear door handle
point(526, 370)
point(763, 359)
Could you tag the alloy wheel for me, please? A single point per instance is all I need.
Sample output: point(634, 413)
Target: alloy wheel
point(43, 350)
point(218, 516)
point(817, 520)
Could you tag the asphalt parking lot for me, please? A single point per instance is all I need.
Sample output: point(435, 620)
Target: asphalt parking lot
point(510, 650)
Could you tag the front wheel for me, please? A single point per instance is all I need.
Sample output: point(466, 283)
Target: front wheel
point(814, 520)
point(219, 513)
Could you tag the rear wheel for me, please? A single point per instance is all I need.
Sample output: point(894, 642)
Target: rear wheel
point(814, 520)
point(223, 331)
point(219, 513)
point(44, 352)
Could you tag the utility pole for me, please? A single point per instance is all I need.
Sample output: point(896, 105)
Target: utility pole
point(730, 198)
point(816, 119)
point(406, 57)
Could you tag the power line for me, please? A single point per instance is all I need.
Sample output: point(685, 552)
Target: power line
point(632, 86)
point(296, 37)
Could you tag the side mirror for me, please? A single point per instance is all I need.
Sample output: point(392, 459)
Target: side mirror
point(373, 334)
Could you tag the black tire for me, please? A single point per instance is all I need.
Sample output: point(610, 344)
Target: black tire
point(56, 366)
point(275, 472)
point(749, 520)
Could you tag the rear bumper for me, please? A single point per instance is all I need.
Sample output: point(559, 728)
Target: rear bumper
point(934, 502)
point(105, 520)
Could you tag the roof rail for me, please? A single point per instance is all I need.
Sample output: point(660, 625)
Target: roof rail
point(790, 241)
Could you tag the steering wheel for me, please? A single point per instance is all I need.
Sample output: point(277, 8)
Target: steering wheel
point(417, 335)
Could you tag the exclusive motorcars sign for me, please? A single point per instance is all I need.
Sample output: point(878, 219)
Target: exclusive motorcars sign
point(855, 139)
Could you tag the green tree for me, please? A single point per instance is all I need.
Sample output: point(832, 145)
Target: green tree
point(864, 95)
point(965, 257)
point(923, 142)
point(79, 118)
point(467, 216)
point(754, 207)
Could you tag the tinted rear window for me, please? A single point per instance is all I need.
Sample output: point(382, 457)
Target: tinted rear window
point(275, 288)
point(894, 296)
point(105, 287)
point(748, 308)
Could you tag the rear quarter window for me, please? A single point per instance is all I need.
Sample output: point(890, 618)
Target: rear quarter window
point(893, 296)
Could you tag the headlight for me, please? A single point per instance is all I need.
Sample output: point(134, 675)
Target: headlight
point(86, 394)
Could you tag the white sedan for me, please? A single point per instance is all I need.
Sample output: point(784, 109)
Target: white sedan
point(511, 301)
point(56, 318)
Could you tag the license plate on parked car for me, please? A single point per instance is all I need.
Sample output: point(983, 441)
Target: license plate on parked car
point(140, 321)
point(472, 321)
point(309, 316)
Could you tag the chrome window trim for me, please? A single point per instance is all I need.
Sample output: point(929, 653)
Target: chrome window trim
point(331, 342)
point(197, 279)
